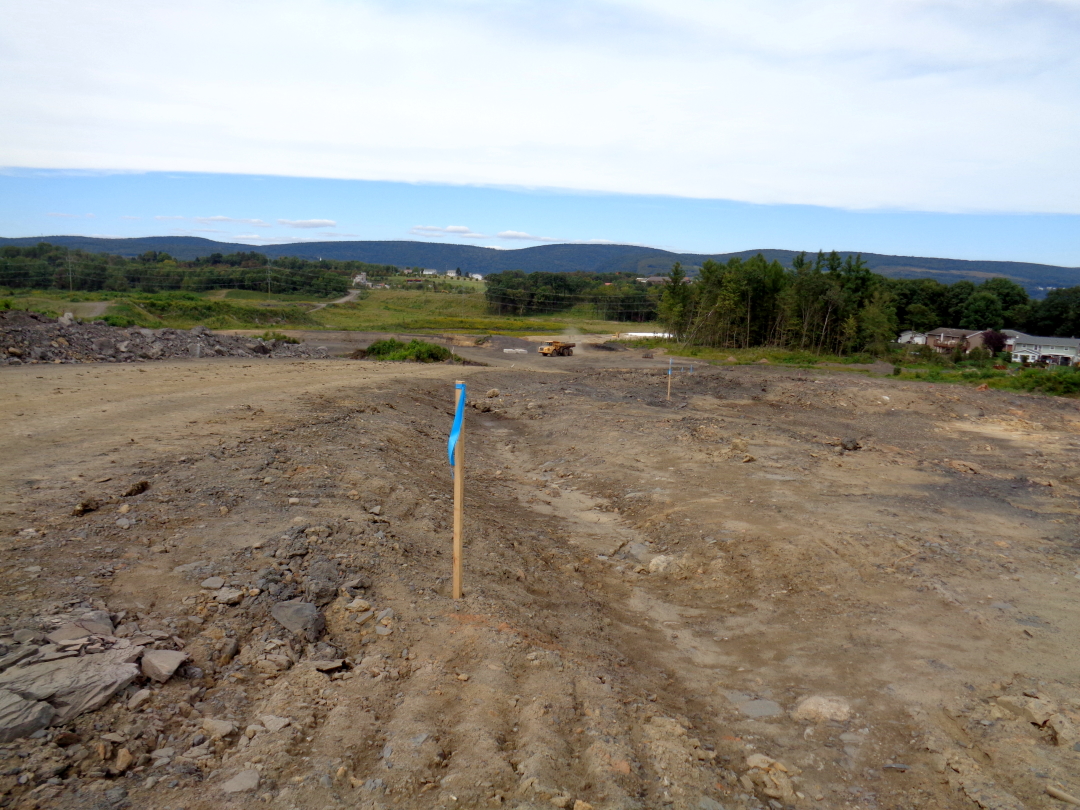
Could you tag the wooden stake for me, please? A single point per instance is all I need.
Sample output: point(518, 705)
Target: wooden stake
point(459, 495)
point(669, 379)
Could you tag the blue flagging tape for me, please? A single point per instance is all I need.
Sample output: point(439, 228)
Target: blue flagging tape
point(459, 417)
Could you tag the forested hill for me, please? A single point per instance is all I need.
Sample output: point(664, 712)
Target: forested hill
point(559, 258)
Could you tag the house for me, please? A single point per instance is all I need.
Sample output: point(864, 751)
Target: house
point(360, 280)
point(429, 272)
point(915, 338)
point(945, 340)
point(476, 277)
point(1034, 349)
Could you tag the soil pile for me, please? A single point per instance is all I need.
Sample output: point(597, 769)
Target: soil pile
point(27, 337)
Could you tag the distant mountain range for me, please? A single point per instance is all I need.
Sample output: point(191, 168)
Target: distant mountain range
point(644, 261)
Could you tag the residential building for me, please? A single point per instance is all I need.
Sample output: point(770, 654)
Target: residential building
point(909, 336)
point(1034, 349)
point(945, 340)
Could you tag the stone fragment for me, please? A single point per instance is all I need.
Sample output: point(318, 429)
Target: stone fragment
point(74, 685)
point(230, 596)
point(212, 583)
point(139, 698)
point(492, 393)
point(273, 722)
point(138, 488)
point(85, 506)
point(243, 782)
point(301, 618)
point(124, 758)
point(1031, 709)
point(660, 563)
point(160, 665)
point(217, 728)
point(850, 444)
point(1066, 732)
point(818, 709)
point(20, 717)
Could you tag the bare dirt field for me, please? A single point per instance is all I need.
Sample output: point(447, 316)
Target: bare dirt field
point(697, 604)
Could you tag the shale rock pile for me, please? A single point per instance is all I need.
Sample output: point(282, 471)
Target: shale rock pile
point(27, 337)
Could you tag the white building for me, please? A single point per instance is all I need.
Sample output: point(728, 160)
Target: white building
point(1035, 349)
point(476, 277)
point(916, 338)
point(429, 272)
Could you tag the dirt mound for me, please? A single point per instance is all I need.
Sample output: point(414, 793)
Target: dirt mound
point(26, 337)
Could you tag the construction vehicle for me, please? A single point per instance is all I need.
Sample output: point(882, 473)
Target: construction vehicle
point(554, 348)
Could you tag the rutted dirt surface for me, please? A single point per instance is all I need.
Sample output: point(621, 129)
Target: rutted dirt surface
point(654, 589)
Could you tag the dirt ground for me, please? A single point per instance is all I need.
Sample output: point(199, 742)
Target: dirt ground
point(654, 589)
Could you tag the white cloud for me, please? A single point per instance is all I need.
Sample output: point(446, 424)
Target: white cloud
point(308, 223)
point(167, 218)
point(437, 232)
point(924, 104)
point(257, 222)
point(63, 216)
point(527, 237)
point(130, 217)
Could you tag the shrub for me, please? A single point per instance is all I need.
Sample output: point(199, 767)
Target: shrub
point(280, 337)
point(117, 320)
point(415, 351)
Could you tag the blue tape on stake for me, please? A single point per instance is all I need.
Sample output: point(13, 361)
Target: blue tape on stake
point(459, 417)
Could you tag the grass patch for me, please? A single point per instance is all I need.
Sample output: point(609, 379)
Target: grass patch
point(416, 311)
point(787, 357)
point(280, 337)
point(375, 311)
point(1062, 382)
point(415, 351)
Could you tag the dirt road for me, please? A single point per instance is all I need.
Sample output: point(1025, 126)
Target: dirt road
point(654, 589)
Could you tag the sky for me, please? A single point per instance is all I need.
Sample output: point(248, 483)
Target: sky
point(916, 127)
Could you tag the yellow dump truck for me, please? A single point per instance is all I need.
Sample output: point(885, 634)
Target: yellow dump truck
point(553, 348)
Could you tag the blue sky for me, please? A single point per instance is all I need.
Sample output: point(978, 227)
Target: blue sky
point(272, 210)
point(940, 127)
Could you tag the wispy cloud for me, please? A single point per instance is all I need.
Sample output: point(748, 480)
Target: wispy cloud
point(130, 217)
point(437, 232)
point(527, 237)
point(69, 216)
point(308, 223)
point(166, 217)
point(256, 222)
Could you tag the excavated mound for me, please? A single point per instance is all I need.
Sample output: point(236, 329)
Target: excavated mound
point(27, 337)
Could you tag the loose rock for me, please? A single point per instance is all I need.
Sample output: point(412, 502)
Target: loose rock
point(301, 618)
point(159, 665)
point(243, 782)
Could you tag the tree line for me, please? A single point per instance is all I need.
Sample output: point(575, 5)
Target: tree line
point(829, 304)
point(610, 296)
point(44, 266)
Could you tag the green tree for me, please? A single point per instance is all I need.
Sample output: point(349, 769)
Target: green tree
point(983, 310)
